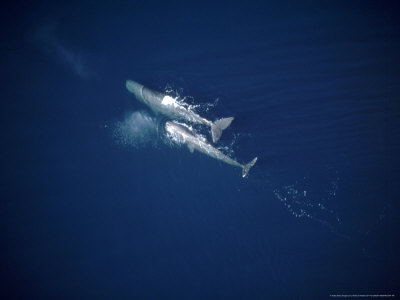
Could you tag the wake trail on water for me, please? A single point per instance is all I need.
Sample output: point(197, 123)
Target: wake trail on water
point(303, 200)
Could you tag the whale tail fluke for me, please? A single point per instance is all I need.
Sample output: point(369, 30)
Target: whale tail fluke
point(246, 167)
point(218, 126)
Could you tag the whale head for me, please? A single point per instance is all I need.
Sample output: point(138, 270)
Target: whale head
point(136, 89)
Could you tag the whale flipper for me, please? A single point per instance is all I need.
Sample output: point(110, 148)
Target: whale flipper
point(246, 167)
point(218, 126)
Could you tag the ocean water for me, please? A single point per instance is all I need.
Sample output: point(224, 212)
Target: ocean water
point(98, 203)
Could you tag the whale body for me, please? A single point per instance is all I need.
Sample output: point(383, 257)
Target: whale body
point(166, 105)
point(183, 135)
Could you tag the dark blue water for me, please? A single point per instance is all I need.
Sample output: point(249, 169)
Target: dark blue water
point(91, 211)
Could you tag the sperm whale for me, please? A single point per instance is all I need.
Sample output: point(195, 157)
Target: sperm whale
point(183, 135)
point(166, 105)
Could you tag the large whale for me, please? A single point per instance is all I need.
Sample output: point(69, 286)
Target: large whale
point(183, 135)
point(166, 105)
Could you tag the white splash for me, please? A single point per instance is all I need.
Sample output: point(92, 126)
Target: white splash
point(168, 100)
point(188, 102)
point(137, 130)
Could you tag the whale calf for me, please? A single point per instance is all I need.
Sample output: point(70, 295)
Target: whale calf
point(183, 135)
point(166, 105)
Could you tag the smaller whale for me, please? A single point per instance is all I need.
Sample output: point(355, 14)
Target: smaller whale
point(183, 135)
point(166, 105)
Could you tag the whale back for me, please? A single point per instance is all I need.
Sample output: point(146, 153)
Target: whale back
point(152, 96)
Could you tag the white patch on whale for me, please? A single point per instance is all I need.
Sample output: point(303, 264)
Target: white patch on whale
point(168, 100)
